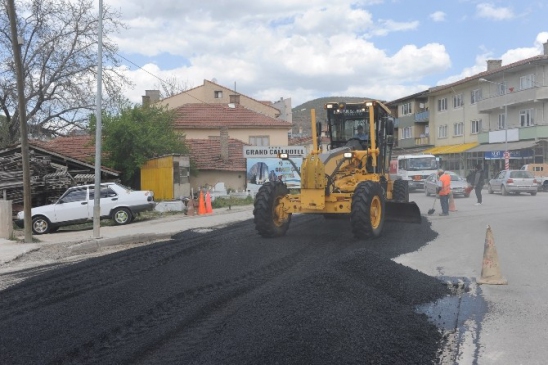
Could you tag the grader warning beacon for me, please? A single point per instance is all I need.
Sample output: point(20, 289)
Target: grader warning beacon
point(351, 179)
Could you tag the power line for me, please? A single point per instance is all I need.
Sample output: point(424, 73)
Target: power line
point(165, 82)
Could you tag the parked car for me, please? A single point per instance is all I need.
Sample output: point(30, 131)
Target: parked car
point(75, 206)
point(513, 181)
point(458, 184)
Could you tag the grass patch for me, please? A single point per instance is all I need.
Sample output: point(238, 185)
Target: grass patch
point(221, 202)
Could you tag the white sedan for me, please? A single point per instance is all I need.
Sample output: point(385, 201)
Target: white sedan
point(75, 206)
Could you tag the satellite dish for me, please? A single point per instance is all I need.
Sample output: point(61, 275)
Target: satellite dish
point(214, 80)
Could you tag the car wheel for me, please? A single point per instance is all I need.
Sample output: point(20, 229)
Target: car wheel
point(121, 216)
point(503, 190)
point(533, 193)
point(40, 225)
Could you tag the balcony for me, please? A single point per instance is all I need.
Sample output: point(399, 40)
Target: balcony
point(512, 98)
point(422, 117)
point(422, 141)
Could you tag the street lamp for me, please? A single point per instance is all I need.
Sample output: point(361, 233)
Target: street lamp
point(506, 153)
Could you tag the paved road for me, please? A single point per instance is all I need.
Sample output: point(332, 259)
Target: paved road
point(513, 330)
point(496, 324)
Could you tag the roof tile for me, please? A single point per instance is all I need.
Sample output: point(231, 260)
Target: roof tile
point(214, 116)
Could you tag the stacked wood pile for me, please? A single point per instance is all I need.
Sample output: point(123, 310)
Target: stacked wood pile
point(48, 180)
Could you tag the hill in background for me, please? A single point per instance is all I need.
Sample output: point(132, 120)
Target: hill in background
point(301, 113)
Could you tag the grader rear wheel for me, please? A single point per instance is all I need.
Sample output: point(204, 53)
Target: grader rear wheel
point(401, 191)
point(269, 216)
point(367, 210)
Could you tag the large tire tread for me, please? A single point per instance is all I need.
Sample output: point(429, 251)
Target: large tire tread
point(265, 219)
point(361, 217)
point(401, 191)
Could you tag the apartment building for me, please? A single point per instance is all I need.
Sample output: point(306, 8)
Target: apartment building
point(479, 118)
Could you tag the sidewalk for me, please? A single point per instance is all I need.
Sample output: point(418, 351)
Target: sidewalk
point(151, 230)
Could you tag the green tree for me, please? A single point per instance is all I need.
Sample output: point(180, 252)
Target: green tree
point(137, 134)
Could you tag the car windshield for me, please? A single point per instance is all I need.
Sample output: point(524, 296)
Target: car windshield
point(422, 163)
point(455, 177)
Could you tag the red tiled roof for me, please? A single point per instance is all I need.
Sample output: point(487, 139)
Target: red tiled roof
point(214, 116)
point(206, 154)
point(79, 148)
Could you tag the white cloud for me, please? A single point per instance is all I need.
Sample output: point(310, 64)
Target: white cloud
point(487, 10)
point(438, 16)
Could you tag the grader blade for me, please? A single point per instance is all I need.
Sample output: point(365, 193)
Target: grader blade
point(403, 212)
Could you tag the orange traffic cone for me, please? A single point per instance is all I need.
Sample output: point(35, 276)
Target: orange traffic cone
point(490, 271)
point(452, 207)
point(209, 209)
point(190, 207)
point(201, 204)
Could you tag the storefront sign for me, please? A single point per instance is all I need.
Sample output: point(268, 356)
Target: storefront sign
point(517, 154)
point(273, 151)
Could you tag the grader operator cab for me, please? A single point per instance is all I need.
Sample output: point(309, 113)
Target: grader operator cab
point(350, 179)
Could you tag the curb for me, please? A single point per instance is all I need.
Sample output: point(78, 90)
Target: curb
point(95, 244)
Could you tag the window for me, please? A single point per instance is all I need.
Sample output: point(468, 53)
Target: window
point(527, 82)
point(406, 109)
point(501, 88)
point(442, 104)
point(442, 131)
point(218, 94)
point(106, 192)
point(502, 121)
point(526, 117)
point(475, 96)
point(476, 126)
point(259, 140)
point(407, 132)
point(458, 129)
point(458, 101)
point(75, 196)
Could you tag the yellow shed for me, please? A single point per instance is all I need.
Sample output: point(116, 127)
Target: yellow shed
point(167, 176)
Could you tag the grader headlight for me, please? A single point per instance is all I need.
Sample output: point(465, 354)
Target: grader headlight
point(347, 155)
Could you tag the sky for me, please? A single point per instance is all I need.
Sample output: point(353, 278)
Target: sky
point(306, 49)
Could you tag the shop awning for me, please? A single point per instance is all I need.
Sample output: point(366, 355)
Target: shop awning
point(454, 148)
point(512, 146)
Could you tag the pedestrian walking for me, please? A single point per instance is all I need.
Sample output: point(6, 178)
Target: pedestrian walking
point(477, 184)
point(444, 189)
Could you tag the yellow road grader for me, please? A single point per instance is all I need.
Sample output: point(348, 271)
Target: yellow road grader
point(351, 179)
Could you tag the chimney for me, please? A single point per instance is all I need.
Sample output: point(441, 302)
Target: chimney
point(493, 64)
point(545, 48)
point(224, 144)
point(146, 101)
point(154, 95)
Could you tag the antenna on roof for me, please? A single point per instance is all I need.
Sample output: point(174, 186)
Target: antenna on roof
point(214, 80)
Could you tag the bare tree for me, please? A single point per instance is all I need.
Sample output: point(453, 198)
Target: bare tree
point(60, 66)
point(172, 86)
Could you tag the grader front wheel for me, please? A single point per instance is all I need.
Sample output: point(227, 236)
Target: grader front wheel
point(367, 210)
point(269, 217)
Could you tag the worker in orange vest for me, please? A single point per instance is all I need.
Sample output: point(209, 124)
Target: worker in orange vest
point(444, 189)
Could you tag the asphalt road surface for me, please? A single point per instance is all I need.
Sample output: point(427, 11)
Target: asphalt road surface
point(228, 296)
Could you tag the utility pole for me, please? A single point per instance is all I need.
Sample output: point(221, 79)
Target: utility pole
point(98, 134)
point(16, 43)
